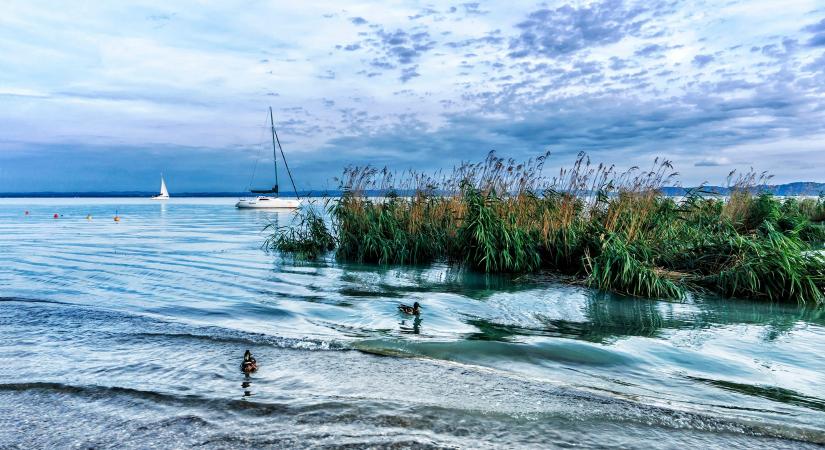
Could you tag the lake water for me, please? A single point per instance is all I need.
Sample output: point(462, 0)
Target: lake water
point(130, 335)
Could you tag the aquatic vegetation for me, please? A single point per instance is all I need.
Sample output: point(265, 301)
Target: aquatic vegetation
point(308, 237)
point(617, 269)
point(612, 230)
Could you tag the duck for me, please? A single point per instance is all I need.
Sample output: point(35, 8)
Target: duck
point(248, 365)
point(413, 310)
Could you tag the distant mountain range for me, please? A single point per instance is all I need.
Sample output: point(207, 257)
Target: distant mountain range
point(799, 188)
point(803, 188)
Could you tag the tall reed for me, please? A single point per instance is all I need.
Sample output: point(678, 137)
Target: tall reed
point(612, 229)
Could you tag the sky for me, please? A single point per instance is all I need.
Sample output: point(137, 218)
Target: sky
point(104, 96)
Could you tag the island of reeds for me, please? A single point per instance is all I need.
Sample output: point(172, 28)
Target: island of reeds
point(590, 223)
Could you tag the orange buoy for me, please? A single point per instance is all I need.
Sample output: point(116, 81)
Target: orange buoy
point(117, 218)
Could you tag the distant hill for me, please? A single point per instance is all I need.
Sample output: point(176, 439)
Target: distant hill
point(799, 188)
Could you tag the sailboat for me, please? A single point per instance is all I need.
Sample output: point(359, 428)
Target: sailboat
point(164, 194)
point(264, 201)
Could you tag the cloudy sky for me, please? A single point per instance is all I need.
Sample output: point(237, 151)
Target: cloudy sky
point(103, 96)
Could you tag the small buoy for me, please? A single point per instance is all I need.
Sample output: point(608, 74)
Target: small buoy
point(27, 212)
point(117, 218)
point(56, 216)
point(88, 217)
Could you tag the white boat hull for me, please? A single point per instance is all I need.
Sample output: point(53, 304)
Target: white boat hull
point(160, 197)
point(268, 203)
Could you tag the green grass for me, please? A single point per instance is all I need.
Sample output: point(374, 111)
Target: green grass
point(612, 230)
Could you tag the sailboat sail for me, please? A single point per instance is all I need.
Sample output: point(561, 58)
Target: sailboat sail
point(163, 191)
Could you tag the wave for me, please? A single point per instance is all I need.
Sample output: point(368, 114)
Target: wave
point(225, 335)
point(589, 410)
point(143, 326)
point(32, 300)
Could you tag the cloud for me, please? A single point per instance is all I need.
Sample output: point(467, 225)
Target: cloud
point(650, 50)
point(493, 38)
point(473, 9)
point(702, 60)
point(713, 162)
point(409, 73)
point(817, 41)
point(405, 47)
point(425, 12)
point(394, 48)
point(568, 29)
point(358, 20)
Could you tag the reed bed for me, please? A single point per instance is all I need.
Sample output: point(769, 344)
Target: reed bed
point(613, 230)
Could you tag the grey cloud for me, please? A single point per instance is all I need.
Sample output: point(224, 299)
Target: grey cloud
point(381, 64)
point(125, 168)
point(492, 38)
point(622, 122)
point(358, 20)
point(817, 41)
point(401, 46)
point(618, 63)
point(710, 163)
point(473, 8)
point(426, 12)
point(818, 30)
point(702, 60)
point(409, 73)
point(650, 50)
point(568, 29)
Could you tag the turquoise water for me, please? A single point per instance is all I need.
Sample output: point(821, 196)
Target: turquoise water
point(129, 334)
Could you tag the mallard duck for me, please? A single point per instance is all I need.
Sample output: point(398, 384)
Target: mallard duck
point(413, 310)
point(248, 365)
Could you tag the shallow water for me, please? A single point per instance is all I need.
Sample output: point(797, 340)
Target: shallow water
point(129, 334)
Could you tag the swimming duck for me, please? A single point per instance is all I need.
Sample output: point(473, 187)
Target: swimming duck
point(248, 365)
point(413, 310)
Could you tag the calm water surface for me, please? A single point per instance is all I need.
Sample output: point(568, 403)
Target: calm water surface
point(130, 334)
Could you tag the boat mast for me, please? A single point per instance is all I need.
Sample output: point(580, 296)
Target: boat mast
point(274, 150)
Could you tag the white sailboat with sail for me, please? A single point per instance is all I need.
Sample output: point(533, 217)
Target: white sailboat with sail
point(273, 201)
point(164, 193)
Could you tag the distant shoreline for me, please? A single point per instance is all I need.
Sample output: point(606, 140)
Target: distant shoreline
point(801, 188)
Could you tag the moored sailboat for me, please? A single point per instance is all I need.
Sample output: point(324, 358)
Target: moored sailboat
point(272, 201)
